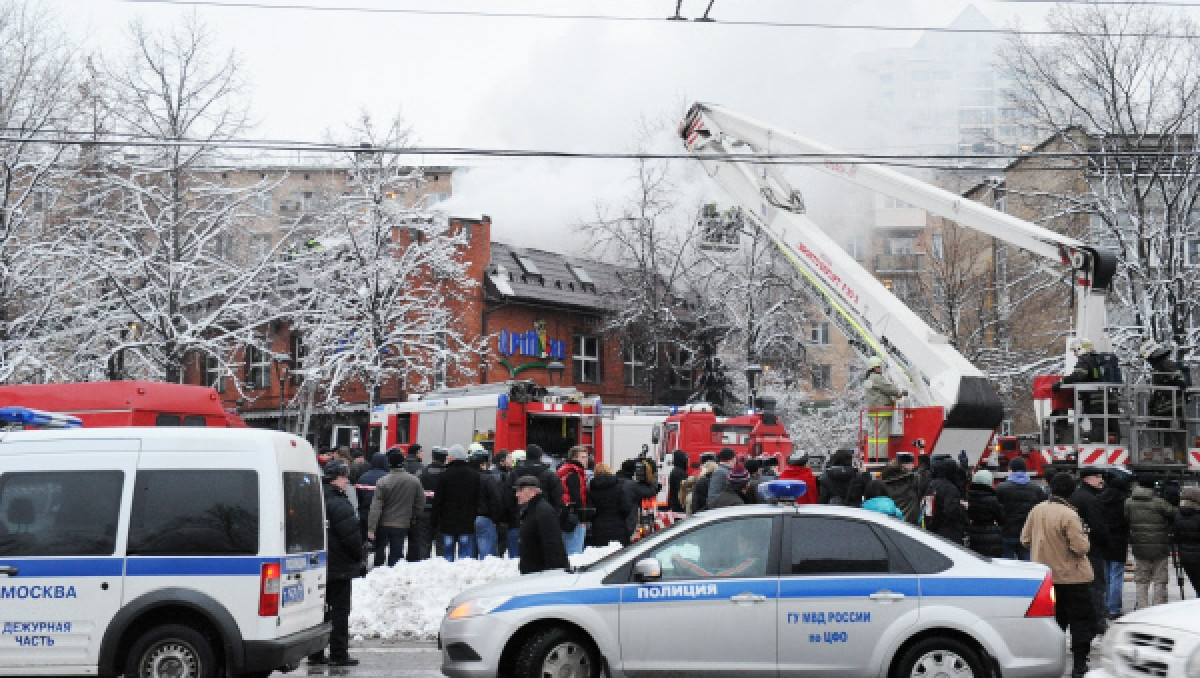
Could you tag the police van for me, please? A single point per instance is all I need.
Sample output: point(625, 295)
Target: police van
point(184, 552)
point(766, 590)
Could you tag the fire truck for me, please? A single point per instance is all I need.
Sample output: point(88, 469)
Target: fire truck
point(950, 406)
point(507, 415)
point(695, 429)
point(125, 403)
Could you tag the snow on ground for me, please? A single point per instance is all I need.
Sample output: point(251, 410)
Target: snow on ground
point(409, 600)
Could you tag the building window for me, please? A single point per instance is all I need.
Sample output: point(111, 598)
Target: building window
point(1193, 252)
point(260, 245)
point(214, 377)
point(857, 247)
point(587, 360)
point(635, 365)
point(298, 351)
point(937, 245)
point(681, 368)
point(901, 245)
point(258, 367)
point(819, 333)
point(439, 361)
point(585, 280)
point(822, 377)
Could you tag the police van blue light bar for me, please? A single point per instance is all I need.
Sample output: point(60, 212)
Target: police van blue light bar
point(38, 418)
point(782, 490)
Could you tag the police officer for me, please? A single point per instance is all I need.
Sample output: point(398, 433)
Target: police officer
point(345, 562)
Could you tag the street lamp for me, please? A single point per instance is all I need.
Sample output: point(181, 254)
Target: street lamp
point(752, 372)
point(555, 369)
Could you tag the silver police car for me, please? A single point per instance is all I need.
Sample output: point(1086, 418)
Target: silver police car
point(766, 590)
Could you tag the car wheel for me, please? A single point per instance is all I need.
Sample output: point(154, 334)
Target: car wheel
point(171, 651)
point(941, 657)
point(557, 652)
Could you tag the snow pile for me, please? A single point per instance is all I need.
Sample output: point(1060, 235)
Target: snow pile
point(409, 600)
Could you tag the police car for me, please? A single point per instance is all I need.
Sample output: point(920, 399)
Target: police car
point(183, 552)
point(766, 590)
point(1162, 640)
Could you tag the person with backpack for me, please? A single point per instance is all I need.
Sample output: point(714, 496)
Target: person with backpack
point(1017, 496)
point(573, 477)
point(985, 516)
point(943, 506)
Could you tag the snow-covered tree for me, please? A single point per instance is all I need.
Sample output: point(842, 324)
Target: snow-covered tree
point(1120, 86)
point(36, 107)
point(169, 243)
point(389, 280)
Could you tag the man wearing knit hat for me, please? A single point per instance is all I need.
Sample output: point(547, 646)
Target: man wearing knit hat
point(1017, 497)
point(1054, 535)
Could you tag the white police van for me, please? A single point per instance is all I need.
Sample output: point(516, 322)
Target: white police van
point(187, 552)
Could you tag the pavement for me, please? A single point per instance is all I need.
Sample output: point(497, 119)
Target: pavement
point(415, 659)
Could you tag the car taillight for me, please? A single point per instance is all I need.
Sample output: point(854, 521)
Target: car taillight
point(268, 592)
point(1043, 600)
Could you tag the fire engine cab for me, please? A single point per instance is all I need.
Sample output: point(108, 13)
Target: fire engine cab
point(508, 416)
point(125, 403)
point(695, 429)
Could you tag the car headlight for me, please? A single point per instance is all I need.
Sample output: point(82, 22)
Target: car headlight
point(1193, 665)
point(476, 607)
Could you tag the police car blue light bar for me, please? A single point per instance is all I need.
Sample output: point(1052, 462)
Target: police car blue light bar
point(38, 418)
point(782, 490)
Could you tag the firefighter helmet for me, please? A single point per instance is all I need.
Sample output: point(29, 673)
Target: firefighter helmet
point(874, 361)
point(1082, 345)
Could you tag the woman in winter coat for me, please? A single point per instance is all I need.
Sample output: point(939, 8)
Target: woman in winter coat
point(1187, 535)
point(612, 507)
point(985, 516)
point(875, 498)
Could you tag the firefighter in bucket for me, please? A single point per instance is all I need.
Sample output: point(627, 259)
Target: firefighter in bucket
point(882, 395)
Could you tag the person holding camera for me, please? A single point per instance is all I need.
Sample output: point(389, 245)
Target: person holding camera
point(573, 476)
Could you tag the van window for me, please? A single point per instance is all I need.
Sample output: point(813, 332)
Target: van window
point(194, 512)
point(304, 517)
point(167, 420)
point(195, 420)
point(59, 513)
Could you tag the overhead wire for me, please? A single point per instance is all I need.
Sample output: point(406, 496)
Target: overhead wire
point(816, 25)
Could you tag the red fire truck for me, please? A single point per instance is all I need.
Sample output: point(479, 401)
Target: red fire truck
point(125, 403)
point(695, 429)
point(508, 416)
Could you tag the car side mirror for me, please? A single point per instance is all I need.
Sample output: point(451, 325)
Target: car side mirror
point(647, 569)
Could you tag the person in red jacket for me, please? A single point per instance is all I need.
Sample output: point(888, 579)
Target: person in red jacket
point(797, 469)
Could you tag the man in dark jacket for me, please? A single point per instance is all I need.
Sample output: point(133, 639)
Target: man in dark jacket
point(345, 562)
point(359, 465)
point(700, 489)
point(679, 473)
point(612, 504)
point(900, 479)
point(1017, 496)
point(1112, 503)
point(985, 516)
point(541, 539)
point(1149, 536)
point(490, 510)
point(395, 510)
point(834, 483)
point(427, 538)
point(949, 518)
point(455, 504)
point(1086, 500)
point(1187, 535)
point(534, 465)
point(412, 463)
point(365, 488)
point(735, 489)
point(726, 458)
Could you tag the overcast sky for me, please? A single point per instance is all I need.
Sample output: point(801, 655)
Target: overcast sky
point(529, 83)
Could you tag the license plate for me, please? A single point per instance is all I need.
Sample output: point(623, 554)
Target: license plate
point(293, 593)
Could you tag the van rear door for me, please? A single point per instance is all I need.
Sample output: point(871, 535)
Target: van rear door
point(302, 585)
point(62, 548)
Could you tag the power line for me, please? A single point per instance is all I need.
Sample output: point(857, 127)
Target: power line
point(246, 4)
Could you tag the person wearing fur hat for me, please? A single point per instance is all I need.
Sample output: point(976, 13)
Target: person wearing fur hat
point(985, 516)
point(1055, 537)
point(1187, 535)
point(735, 486)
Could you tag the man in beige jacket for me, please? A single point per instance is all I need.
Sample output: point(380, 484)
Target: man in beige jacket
point(1055, 536)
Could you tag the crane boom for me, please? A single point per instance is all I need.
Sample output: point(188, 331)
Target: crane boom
point(738, 153)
